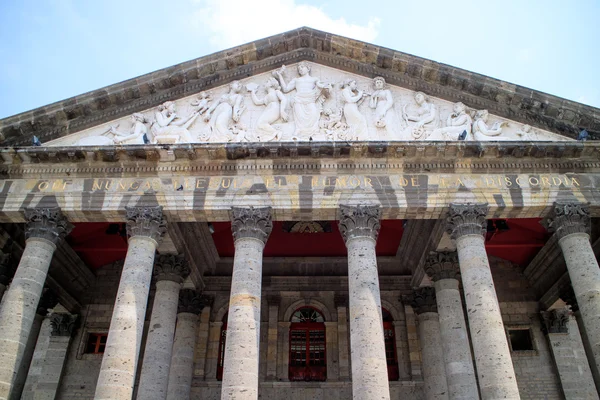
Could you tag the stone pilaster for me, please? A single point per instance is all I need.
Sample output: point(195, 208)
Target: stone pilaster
point(466, 225)
point(145, 227)
point(203, 339)
point(359, 226)
point(444, 270)
point(273, 300)
point(251, 228)
point(341, 305)
point(190, 306)
point(423, 301)
point(45, 228)
point(169, 270)
point(571, 223)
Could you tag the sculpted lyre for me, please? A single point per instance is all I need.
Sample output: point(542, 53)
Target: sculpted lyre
point(356, 121)
point(308, 101)
point(276, 103)
point(168, 127)
point(223, 113)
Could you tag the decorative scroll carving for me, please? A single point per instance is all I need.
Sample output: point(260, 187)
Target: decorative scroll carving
point(171, 267)
point(48, 301)
point(422, 300)
point(7, 268)
point(442, 265)
point(251, 223)
point(146, 221)
point(555, 321)
point(46, 223)
point(466, 219)
point(62, 324)
point(190, 301)
point(359, 221)
point(568, 218)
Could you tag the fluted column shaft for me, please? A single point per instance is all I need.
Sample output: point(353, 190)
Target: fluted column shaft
point(117, 372)
point(251, 228)
point(170, 270)
point(572, 224)
point(359, 227)
point(492, 355)
point(46, 227)
point(443, 268)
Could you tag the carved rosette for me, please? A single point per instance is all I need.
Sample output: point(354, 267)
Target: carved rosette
point(7, 268)
point(254, 223)
point(146, 221)
point(555, 321)
point(466, 219)
point(46, 223)
point(422, 300)
point(63, 324)
point(190, 301)
point(359, 221)
point(442, 265)
point(171, 267)
point(48, 301)
point(568, 218)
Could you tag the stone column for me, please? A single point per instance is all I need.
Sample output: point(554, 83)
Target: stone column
point(571, 222)
point(7, 271)
point(341, 305)
point(212, 354)
point(145, 227)
point(45, 228)
point(30, 364)
point(251, 228)
point(569, 355)
point(359, 227)
point(444, 270)
point(53, 360)
point(203, 339)
point(273, 301)
point(467, 225)
point(169, 270)
point(423, 301)
point(182, 362)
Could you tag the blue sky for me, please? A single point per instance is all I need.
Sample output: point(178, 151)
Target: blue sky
point(55, 49)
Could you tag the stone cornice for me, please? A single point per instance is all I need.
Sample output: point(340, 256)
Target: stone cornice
point(453, 84)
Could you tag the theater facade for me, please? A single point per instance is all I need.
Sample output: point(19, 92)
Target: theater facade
point(302, 217)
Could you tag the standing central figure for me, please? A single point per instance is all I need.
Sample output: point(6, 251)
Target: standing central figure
point(307, 103)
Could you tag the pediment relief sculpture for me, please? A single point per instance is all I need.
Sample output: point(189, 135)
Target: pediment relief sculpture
point(306, 102)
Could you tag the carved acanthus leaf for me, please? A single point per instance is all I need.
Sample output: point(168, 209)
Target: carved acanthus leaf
point(568, 218)
point(466, 219)
point(251, 222)
point(172, 267)
point(442, 265)
point(422, 300)
point(63, 324)
point(359, 221)
point(556, 321)
point(46, 223)
point(191, 301)
point(146, 221)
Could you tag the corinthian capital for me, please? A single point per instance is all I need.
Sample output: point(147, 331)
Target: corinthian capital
point(62, 324)
point(359, 221)
point(46, 223)
point(255, 223)
point(190, 301)
point(441, 265)
point(466, 219)
point(422, 300)
point(171, 267)
point(146, 221)
point(568, 218)
point(556, 321)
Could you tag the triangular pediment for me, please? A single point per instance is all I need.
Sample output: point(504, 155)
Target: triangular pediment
point(333, 59)
point(306, 102)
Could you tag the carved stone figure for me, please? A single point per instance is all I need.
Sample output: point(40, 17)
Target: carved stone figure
point(168, 127)
point(357, 123)
point(382, 101)
point(331, 123)
point(526, 132)
point(276, 103)
point(136, 132)
point(202, 103)
point(308, 101)
point(223, 113)
point(426, 117)
point(481, 130)
point(458, 121)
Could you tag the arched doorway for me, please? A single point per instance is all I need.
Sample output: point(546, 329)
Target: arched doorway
point(307, 346)
point(391, 354)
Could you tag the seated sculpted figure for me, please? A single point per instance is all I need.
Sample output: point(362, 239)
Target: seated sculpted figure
point(481, 130)
point(308, 101)
point(276, 103)
point(382, 101)
point(458, 121)
point(135, 134)
point(223, 113)
point(426, 117)
point(169, 127)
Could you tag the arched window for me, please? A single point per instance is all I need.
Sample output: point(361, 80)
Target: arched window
point(222, 340)
point(389, 335)
point(307, 346)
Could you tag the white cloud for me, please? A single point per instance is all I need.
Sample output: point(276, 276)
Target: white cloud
point(233, 22)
